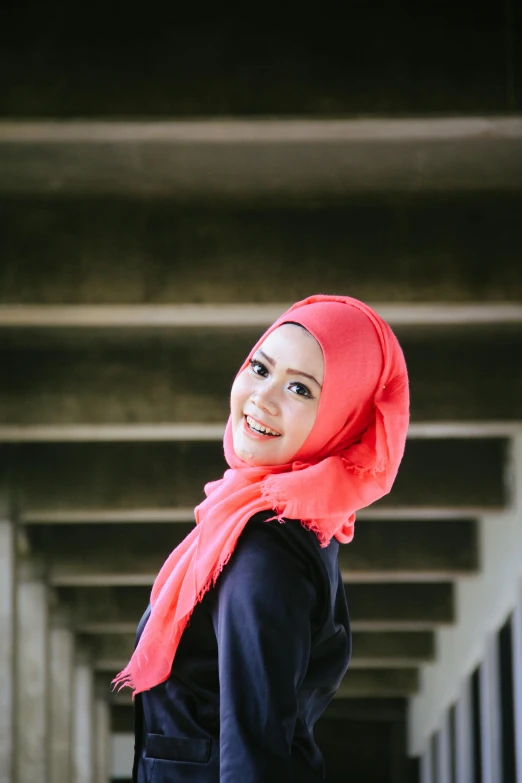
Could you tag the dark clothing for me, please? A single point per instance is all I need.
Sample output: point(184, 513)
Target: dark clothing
point(263, 654)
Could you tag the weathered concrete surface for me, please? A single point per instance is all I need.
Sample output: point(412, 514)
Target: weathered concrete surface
point(381, 682)
point(61, 707)
point(95, 251)
point(7, 642)
point(381, 551)
point(31, 682)
point(390, 649)
point(262, 161)
point(454, 472)
point(143, 380)
point(386, 60)
point(400, 606)
point(383, 607)
point(102, 733)
point(83, 761)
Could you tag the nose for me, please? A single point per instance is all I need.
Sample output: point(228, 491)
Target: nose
point(264, 399)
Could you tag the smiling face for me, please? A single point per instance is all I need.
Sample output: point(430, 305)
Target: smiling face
point(274, 400)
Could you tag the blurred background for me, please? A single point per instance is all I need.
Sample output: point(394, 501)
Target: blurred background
point(171, 178)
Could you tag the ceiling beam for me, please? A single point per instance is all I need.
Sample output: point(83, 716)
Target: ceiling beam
point(379, 682)
point(373, 607)
point(102, 516)
point(261, 159)
point(262, 131)
point(178, 316)
point(399, 551)
point(167, 475)
point(110, 433)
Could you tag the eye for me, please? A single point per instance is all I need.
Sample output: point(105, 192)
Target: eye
point(301, 390)
point(258, 367)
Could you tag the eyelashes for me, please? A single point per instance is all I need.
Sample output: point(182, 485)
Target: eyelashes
point(255, 363)
point(263, 372)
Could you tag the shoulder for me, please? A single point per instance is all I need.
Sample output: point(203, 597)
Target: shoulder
point(285, 556)
point(294, 541)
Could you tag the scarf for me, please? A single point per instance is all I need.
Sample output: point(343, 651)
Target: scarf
point(349, 460)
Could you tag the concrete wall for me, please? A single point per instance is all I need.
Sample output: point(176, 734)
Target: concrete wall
point(483, 604)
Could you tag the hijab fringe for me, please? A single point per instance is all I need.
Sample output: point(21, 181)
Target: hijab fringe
point(364, 470)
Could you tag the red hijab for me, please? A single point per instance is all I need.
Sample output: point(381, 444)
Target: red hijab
point(349, 460)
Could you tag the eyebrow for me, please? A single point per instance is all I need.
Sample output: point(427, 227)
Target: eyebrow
point(289, 371)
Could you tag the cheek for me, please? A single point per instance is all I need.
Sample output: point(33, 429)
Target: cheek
point(239, 394)
point(299, 423)
point(303, 420)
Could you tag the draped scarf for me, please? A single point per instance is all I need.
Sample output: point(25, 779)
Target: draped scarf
point(349, 460)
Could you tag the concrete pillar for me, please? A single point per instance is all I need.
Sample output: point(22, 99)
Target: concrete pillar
point(517, 679)
point(490, 713)
point(31, 680)
point(463, 735)
point(61, 669)
point(83, 720)
point(102, 740)
point(426, 766)
point(443, 752)
point(7, 640)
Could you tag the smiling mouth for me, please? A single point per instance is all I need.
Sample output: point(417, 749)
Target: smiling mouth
point(260, 429)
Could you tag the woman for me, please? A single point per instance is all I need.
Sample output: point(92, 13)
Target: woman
point(319, 413)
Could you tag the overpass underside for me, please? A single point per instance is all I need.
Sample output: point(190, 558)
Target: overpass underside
point(154, 219)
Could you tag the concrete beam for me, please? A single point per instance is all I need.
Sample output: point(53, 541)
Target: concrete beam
point(261, 159)
point(160, 317)
point(142, 387)
point(384, 551)
point(417, 551)
point(132, 433)
point(215, 65)
point(373, 607)
point(398, 607)
point(371, 683)
point(169, 265)
point(96, 516)
point(438, 473)
point(370, 650)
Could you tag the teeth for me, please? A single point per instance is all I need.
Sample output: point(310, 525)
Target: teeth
point(258, 428)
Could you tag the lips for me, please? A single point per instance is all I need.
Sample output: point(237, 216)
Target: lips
point(259, 428)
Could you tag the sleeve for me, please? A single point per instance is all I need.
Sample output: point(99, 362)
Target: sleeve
point(262, 619)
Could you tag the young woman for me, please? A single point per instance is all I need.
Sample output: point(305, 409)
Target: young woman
point(319, 413)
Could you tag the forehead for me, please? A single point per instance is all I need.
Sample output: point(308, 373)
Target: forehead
point(290, 343)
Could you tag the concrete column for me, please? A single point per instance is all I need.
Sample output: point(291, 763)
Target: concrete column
point(463, 744)
point(426, 766)
point(31, 680)
point(490, 714)
point(102, 740)
point(61, 649)
point(7, 640)
point(83, 721)
point(517, 679)
point(443, 752)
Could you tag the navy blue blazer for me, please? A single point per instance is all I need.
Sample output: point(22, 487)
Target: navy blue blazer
point(262, 657)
